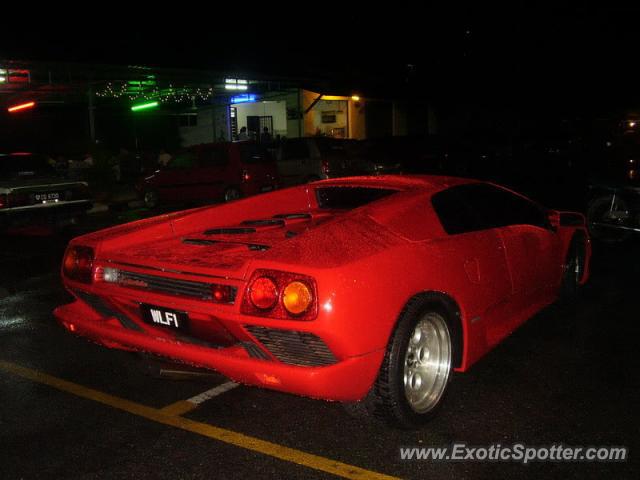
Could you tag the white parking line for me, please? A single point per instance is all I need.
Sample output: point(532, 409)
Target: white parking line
point(213, 392)
point(184, 406)
point(229, 437)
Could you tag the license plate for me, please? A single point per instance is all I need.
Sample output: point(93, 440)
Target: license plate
point(44, 197)
point(266, 188)
point(163, 317)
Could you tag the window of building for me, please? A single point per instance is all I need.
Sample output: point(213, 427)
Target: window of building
point(188, 120)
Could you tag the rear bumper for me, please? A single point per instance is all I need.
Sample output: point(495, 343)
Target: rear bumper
point(346, 380)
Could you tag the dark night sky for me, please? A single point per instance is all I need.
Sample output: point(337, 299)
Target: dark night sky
point(546, 57)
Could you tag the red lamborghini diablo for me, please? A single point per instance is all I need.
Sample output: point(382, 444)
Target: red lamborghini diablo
point(366, 290)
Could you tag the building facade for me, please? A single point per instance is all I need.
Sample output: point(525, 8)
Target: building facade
point(293, 113)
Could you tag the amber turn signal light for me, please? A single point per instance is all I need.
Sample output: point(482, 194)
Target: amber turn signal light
point(296, 298)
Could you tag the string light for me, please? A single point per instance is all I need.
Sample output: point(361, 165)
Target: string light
point(136, 91)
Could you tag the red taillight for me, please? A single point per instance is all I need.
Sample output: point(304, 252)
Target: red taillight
point(19, 199)
point(223, 293)
point(283, 295)
point(263, 293)
point(78, 264)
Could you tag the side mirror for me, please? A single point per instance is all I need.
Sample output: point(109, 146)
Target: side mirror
point(554, 219)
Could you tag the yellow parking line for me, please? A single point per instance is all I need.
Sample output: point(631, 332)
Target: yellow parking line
point(227, 436)
point(179, 408)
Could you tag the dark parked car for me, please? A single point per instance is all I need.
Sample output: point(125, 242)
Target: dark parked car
point(33, 193)
point(208, 172)
point(431, 155)
point(302, 160)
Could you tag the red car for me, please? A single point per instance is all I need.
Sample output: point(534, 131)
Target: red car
point(209, 172)
point(366, 289)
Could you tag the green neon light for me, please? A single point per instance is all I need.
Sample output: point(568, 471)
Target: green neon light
point(144, 106)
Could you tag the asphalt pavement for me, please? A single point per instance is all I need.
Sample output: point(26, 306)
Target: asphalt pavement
point(73, 409)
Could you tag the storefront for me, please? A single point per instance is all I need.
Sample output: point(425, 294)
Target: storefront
point(258, 117)
point(290, 114)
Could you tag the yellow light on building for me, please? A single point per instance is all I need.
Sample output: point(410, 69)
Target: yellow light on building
point(355, 98)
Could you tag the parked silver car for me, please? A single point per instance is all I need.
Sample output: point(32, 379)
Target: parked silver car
point(32, 193)
point(306, 159)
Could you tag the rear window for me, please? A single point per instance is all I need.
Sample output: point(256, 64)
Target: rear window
point(24, 166)
point(184, 160)
point(293, 149)
point(253, 153)
point(332, 147)
point(347, 198)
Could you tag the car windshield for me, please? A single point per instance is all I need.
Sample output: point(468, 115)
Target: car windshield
point(24, 166)
point(347, 198)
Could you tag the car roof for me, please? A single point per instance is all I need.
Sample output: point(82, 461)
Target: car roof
point(398, 182)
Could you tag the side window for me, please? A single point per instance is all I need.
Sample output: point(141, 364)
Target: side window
point(253, 153)
point(213, 157)
point(490, 205)
point(499, 208)
point(467, 208)
point(295, 149)
point(455, 214)
point(183, 160)
point(529, 213)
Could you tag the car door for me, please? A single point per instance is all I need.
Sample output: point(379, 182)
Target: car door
point(531, 246)
point(478, 251)
point(527, 245)
point(529, 240)
point(212, 174)
point(174, 183)
point(531, 254)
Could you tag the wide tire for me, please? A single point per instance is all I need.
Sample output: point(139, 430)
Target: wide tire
point(151, 199)
point(415, 372)
point(574, 268)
